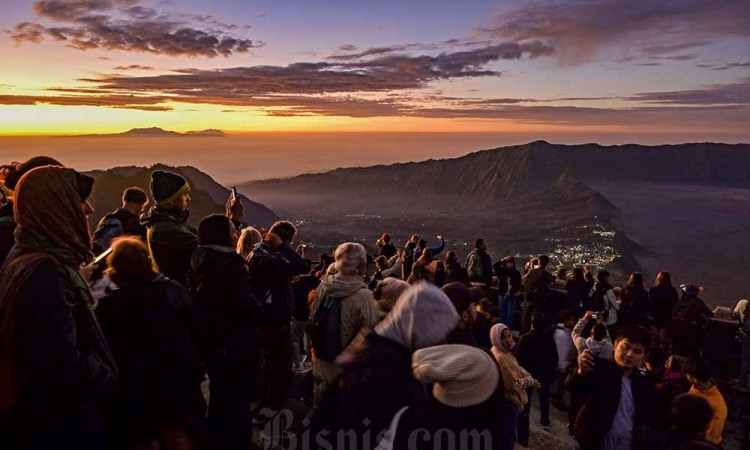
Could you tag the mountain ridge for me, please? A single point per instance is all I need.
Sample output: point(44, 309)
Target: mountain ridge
point(156, 132)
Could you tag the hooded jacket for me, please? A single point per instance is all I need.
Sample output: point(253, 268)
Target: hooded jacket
point(171, 242)
point(358, 312)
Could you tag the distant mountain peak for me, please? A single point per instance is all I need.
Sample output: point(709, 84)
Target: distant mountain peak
point(158, 133)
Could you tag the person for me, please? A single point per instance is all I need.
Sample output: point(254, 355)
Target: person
point(147, 323)
point(691, 416)
point(273, 263)
point(516, 380)
point(454, 273)
point(467, 394)
point(227, 314)
point(483, 324)
point(381, 362)
point(420, 270)
point(509, 285)
point(578, 291)
point(597, 343)
point(249, 238)
point(616, 395)
point(124, 220)
point(536, 290)
point(604, 301)
point(688, 318)
point(479, 264)
point(171, 240)
point(356, 309)
point(434, 251)
point(742, 312)
point(48, 331)
point(665, 389)
point(634, 301)
point(662, 299)
point(407, 258)
point(536, 352)
point(561, 279)
point(566, 354)
point(387, 249)
point(386, 293)
point(13, 174)
point(462, 299)
point(698, 373)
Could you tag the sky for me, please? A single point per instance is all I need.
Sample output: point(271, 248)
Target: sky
point(633, 70)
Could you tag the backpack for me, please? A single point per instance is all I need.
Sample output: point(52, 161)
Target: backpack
point(109, 228)
point(325, 332)
point(597, 301)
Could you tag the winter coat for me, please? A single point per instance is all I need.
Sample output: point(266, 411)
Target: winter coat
point(120, 222)
point(7, 228)
point(271, 272)
point(358, 313)
point(536, 285)
point(226, 310)
point(578, 294)
point(566, 355)
point(479, 267)
point(68, 367)
point(480, 423)
point(661, 301)
point(148, 329)
point(688, 317)
point(376, 381)
point(434, 251)
point(536, 352)
point(455, 273)
point(600, 393)
point(633, 306)
point(171, 242)
point(388, 250)
point(510, 279)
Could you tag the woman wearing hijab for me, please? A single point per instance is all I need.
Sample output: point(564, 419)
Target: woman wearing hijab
point(376, 373)
point(47, 328)
point(515, 381)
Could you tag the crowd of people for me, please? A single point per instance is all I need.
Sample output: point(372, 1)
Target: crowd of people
point(413, 351)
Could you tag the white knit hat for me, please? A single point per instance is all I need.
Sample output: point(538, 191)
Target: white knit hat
point(463, 376)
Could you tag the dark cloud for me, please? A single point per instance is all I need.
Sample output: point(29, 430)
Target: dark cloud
point(113, 101)
point(721, 94)
point(736, 65)
point(386, 73)
point(134, 67)
point(578, 29)
point(125, 25)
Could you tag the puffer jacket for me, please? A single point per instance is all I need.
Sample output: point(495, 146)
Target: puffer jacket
point(358, 312)
point(171, 242)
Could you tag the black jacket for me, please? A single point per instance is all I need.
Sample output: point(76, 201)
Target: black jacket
point(119, 222)
point(376, 381)
point(599, 391)
point(634, 306)
point(455, 273)
point(486, 267)
point(537, 353)
point(148, 328)
point(68, 366)
point(227, 312)
point(7, 228)
point(271, 272)
point(171, 242)
point(508, 278)
point(479, 425)
point(661, 301)
point(388, 250)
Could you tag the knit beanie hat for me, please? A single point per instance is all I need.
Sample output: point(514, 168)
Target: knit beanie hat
point(388, 291)
point(460, 295)
point(462, 376)
point(166, 186)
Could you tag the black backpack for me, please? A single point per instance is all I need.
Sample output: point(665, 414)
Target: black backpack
point(686, 311)
point(325, 330)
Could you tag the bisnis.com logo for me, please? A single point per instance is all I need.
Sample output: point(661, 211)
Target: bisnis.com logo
point(277, 435)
